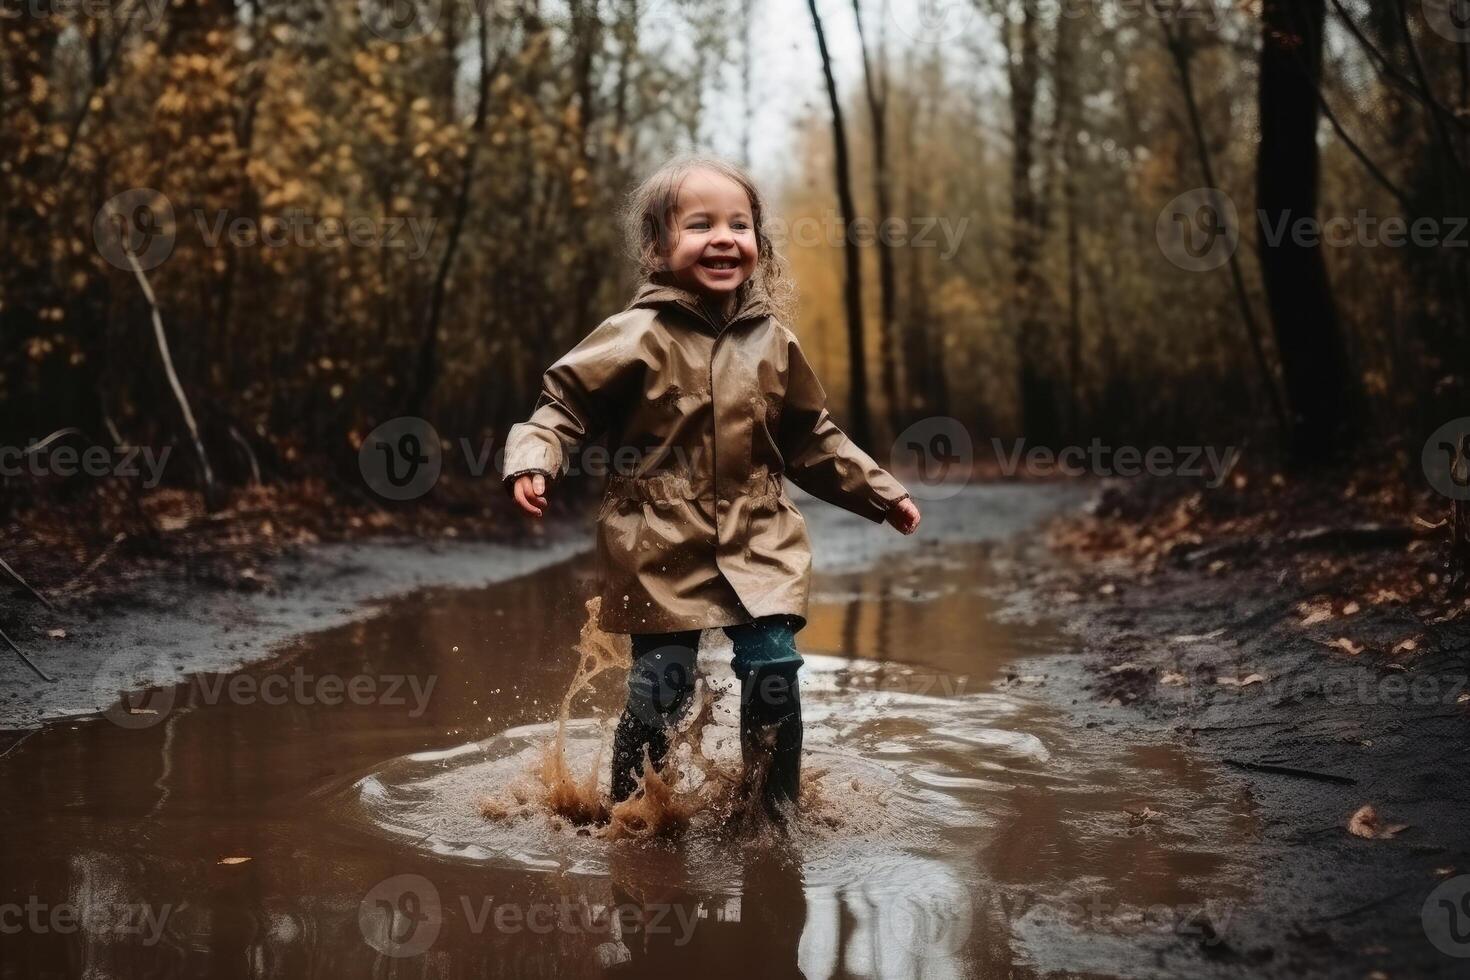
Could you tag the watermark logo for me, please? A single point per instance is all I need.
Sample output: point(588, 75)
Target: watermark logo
point(924, 909)
point(126, 708)
point(1446, 917)
point(934, 21)
point(1446, 459)
point(1449, 19)
point(942, 453)
point(402, 458)
point(400, 20)
point(1198, 230)
point(659, 683)
point(401, 916)
point(136, 226)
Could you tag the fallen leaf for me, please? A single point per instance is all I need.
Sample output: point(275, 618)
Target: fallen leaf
point(1107, 588)
point(1197, 637)
point(1346, 646)
point(1366, 823)
point(1245, 681)
point(1406, 646)
point(1173, 679)
point(56, 634)
point(232, 860)
point(1318, 615)
point(1121, 668)
point(1350, 608)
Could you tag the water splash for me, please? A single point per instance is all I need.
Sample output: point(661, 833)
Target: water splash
point(692, 780)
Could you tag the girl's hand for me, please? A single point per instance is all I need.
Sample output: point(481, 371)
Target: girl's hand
point(904, 515)
point(530, 493)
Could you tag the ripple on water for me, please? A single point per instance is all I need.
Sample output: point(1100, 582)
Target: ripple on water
point(882, 779)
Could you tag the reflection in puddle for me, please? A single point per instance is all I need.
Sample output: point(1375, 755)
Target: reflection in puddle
point(951, 827)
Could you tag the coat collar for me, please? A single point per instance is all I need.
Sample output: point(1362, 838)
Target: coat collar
point(751, 302)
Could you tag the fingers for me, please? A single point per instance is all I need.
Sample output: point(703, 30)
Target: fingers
point(529, 495)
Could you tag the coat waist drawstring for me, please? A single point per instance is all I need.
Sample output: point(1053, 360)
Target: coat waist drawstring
point(763, 487)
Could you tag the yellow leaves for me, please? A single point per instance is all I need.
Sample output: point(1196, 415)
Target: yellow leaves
point(1314, 613)
point(421, 150)
point(1347, 646)
point(40, 89)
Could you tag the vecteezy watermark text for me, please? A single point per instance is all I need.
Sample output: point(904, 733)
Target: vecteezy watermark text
point(146, 14)
point(139, 227)
point(46, 458)
point(403, 458)
point(296, 687)
point(1097, 459)
point(402, 916)
point(1200, 230)
point(93, 919)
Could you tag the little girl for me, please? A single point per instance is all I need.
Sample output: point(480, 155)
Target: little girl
point(707, 402)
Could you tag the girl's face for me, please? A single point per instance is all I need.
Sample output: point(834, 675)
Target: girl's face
point(715, 248)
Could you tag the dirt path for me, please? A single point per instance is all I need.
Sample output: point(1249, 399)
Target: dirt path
point(1317, 708)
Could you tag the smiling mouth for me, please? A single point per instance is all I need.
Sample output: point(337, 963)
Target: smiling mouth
point(721, 264)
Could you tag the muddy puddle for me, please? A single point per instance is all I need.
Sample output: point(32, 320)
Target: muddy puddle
point(324, 813)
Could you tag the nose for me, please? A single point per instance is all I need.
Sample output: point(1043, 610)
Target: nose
point(722, 235)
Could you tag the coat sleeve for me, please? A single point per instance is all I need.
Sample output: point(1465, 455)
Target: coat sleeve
point(819, 457)
point(579, 397)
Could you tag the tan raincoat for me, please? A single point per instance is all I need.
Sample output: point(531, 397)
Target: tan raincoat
point(702, 420)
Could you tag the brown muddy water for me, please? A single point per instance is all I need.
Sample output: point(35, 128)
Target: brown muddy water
point(321, 815)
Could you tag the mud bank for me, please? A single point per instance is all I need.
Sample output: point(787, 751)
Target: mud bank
point(161, 632)
point(1316, 702)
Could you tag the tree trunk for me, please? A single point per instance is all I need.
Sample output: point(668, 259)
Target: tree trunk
point(426, 365)
point(876, 87)
point(1037, 400)
point(1310, 340)
point(857, 392)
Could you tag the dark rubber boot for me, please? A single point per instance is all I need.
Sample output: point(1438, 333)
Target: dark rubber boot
point(770, 723)
point(629, 741)
point(659, 685)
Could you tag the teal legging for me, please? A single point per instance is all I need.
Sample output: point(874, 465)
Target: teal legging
point(662, 679)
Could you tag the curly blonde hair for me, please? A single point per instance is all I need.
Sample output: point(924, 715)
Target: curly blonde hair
point(648, 222)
